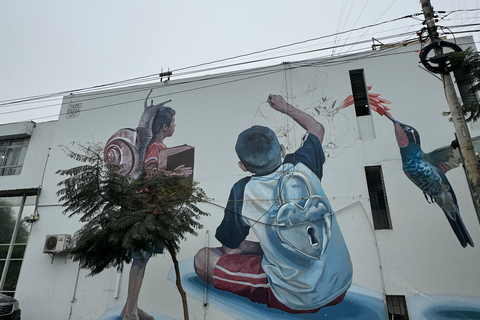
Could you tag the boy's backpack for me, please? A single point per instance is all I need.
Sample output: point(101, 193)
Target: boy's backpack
point(126, 148)
point(303, 220)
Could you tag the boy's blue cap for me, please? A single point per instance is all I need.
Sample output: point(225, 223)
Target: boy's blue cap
point(259, 150)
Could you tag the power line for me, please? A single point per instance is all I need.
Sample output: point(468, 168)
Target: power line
point(358, 18)
point(374, 22)
point(154, 77)
point(214, 77)
point(61, 93)
point(293, 44)
point(249, 74)
point(342, 11)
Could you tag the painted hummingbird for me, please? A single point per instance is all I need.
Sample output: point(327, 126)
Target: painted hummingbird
point(427, 171)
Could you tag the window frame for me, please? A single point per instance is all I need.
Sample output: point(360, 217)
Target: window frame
point(25, 201)
point(378, 196)
point(16, 168)
point(396, 307)
point(359, 92)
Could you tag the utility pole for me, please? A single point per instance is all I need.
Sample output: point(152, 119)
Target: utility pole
point(458, 119)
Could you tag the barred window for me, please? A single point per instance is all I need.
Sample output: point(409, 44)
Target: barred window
point(397, 308)
point(359, 92)
point(378, 198)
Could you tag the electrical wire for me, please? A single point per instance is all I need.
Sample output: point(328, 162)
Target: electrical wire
point(356, 21)
point(61, 93)
point(374, 22)
point(170, 94)
point(154, 77)
point(247, 75)
point(342, 11)
point(293, 44)
point(128, 91)
point(132, 90)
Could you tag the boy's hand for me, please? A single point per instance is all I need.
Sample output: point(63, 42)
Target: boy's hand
point(278, 103)
point(305, 120)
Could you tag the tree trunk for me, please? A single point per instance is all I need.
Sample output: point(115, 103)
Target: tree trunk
point(458, 119)
point(465, 142)
point(178, 281)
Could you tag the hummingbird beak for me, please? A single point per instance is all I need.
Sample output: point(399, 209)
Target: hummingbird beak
point(393, 120)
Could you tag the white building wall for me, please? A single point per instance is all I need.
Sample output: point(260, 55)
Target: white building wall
point(419, 258)
point(37, 153)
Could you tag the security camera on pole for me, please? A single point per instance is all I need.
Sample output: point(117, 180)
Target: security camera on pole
point(458, 119)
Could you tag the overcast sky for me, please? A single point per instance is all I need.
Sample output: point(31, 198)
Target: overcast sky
point(58, 46)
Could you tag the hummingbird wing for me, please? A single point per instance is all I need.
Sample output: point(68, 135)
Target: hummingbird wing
point(448, 157)
point(444, 158)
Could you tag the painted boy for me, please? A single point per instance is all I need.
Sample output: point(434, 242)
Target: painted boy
point(271, 271)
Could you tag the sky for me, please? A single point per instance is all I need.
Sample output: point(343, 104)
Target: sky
point(51, 48)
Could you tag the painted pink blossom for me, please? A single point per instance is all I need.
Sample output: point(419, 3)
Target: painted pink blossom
point(377, 104)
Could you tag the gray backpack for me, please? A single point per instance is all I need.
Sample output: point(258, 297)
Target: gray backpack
point(303, 220)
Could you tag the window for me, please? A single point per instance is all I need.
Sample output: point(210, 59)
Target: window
point(378, 198)
point(13, 238)
point(362, 105)
point(397, 308)
point(359, 92)
point(12, 155)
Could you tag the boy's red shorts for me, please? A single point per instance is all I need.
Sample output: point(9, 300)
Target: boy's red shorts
point(243, 275)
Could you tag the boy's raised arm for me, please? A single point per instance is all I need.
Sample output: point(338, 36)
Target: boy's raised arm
point(305, 120)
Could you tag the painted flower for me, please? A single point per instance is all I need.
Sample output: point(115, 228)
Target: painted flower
point(377, 104)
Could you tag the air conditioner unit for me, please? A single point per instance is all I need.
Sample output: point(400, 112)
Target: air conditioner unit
point(56, 243)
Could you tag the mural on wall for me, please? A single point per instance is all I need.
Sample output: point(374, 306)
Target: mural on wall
point(340, 133)
point(136, 150)
point(234, 266)
point(300, 262)
point(427, 171)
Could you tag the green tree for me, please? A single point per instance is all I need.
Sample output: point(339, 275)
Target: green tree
point(124, 215)
point(466, 66)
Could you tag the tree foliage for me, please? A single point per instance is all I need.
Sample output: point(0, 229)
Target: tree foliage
point(466, 65)
point(122, 214)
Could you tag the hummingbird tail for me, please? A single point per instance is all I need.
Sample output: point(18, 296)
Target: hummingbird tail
point(459, 228)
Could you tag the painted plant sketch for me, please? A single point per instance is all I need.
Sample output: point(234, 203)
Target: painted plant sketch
point(340, 127)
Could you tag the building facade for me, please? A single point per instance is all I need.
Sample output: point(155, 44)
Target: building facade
point(406, 259)
point(24, 152)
